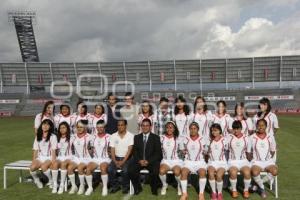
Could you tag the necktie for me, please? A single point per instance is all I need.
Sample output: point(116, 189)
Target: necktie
point(145, 142)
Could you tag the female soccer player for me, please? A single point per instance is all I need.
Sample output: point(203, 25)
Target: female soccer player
point(64, 157)
point(99, 114)
point(100, 147)
point(81, 144)
point(146, 113)
point(195, 148)
point(47, 113)
point(237, 144)
point(81, 114)
point(223, 118)
point(217, 164)
point(63, 116)
point(265, 113)
point(182, 116)
point(44, 147)
point(263, 148)
point(202, 117)
point(170, 147)
point(239, 114)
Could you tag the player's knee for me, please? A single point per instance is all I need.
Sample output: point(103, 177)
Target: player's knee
point(162, 171)
point(177, 172)
point(274, 171)
point(202, 173)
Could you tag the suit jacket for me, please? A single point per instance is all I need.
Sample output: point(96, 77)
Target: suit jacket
point(112, 119)
point(153, 152)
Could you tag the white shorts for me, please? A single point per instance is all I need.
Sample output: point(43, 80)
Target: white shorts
point(239, 164)
point(81, 160)
point(194, 166)
point(99, 161)
point(218, 164)
point(63, 158)
point(43, 159)
point(172, 163)
point(263, 164)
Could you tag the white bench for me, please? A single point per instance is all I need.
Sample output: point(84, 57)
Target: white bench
point(25, 164)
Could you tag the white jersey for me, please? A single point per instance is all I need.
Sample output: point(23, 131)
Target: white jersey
point(195, 148)
point(237, 147)
point(204, 121)
point(272, 122)
point(182, 123)
point(38, 120)
point(261, 147)
point(59, 118)
point(170, 147)
point(75, 118)
point(225, 122)
point(247, 125)
point(44, 147)
point(100, 146)
point(141, 117)
point(81, 145)
point(217, 150)
point(64, 147)
point(93, 119)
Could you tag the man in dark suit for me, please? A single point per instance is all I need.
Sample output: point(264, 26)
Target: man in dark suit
point(147, 154)
point(113, 114)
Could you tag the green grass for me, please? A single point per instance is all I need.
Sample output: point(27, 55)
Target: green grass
point(16, 138)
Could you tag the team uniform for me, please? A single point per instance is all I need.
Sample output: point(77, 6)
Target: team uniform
point(93, 119)
point(182, 122)
point(237, 151)
point(247, 125)
point(170, 147)
point(77, 117)
point(204, 121)
point(217, 154)
point(44, 148)
point(100, 149)
point(272, 122)
point(64, 150)
point(225, 122)
point(81, 148)
point(59, 118)
point(261, 149)
point(194, 159)
point(38, 119)
point(141, 117)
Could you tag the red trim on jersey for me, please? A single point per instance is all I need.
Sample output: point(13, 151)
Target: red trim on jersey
point(200, 150)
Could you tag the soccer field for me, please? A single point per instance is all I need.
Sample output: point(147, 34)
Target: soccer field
point(16, 138)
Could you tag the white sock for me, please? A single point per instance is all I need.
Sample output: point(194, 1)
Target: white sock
point(220, 187)
point(89, 181)
point(163, 179)
point(270, 177)
point(247, 183)
point(104, 180)
point(81, 179)
point(48, 174)
point(63, 174)
point(72, 179)
point(178, 179)
point(202, 183)
point(259, 182)
point(212, 184)
point(34, 175)
point(54, 176)
point(183, 186)
point(233, 184)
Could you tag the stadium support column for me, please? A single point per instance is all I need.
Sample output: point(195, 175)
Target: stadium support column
point(125, 75)
point(100, 73)
point(280, 73)
point(1, 79)
point(175, 80)
point(27, 80)
point(51, 72)
point(226, 79)
point(253, 65)
point(200, 78)
point(150, 77)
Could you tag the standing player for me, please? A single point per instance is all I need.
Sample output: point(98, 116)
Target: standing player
point(82, 114)
point(170, 147)
point(100, 146)
point(223, 118)
point(237, 144)
point(263, 148)
point(202, 117)
point(64, 157)
point(47, 113)
point(81, 144)
point(44, 147)
point(239, 114)
point(99, 114)
point(182, 116)
point(63, 116)
point(146, 113)
point(217, 164)
point(195, 147)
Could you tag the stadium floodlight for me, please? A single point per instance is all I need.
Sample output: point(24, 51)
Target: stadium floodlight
point(12, 15)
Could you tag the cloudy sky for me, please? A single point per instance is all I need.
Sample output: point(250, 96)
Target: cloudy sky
point(134, 30)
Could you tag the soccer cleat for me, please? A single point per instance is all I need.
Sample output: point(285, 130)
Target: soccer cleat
point(81, 190)
point(164, 189)
point(220, 196)
point(201, 196)
point(73, 190)
point(89, 191)
point(184, 196)
point(104, 191)
point(234, 194)
point(179, 192)
point(60, 190)
point(39, 184)
point(54, 189)
point(214, 196)
point(246, 195)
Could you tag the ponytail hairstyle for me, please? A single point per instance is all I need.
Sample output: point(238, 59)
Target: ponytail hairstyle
point(195, 104)
point(224, 104)
point(242, 105)
point(264, 101)
point(186, 108)
point(39, 135)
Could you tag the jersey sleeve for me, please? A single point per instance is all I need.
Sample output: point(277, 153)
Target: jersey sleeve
point(131, 141)
point(272, 143)
point(112, 141)
point(249, 146)
point(53, 140)
point(37, 121)
point(250, 124)
point(35, 145)
point(182, 140)
point(230, 121)
point(275, 121)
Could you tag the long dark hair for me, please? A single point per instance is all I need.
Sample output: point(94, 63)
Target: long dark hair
point(103, 109)
point(176, 131)
point(65, 105)
point(68, 131)
point(150, 107)
point(195, 104)
point(186, 108)
point(221, 102)
point(83, 105)
point(39, 135)
point(264, 101)
point(217, 126)
point(45, 108)
point(241, 104)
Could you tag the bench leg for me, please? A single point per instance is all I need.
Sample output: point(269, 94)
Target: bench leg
point(4, 178)
point(276, 187)
point(131, 189)
point(21, 177)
